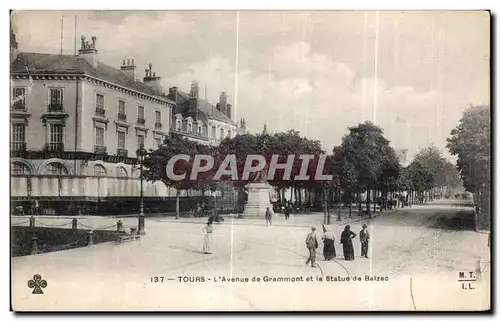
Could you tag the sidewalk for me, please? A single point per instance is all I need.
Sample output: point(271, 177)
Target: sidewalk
point(109, 222)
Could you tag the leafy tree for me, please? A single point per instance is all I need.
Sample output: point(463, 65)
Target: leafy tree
point(432, 166)
point(365, 157)
point(155, 165)
point(281, 144)
point(390, 172)
point(470, 141)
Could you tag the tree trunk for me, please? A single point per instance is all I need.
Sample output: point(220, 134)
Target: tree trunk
point(300, 196)
point(338, 206)
point(368, 202)
point(202, 199)
point(177, 207)
point(350, 204)
point(358, 199)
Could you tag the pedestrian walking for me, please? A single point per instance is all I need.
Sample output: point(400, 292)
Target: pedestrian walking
point(269, 217)
point(288, 211)
point(328, 244)
point(312, 245)
point(346, 240)
point(364, 238)
point(207, 243)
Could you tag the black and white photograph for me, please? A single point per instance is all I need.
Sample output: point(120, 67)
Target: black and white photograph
point(250, 160)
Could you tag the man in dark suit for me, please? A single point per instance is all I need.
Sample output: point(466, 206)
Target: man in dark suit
point(364, 238)
point(312, 245)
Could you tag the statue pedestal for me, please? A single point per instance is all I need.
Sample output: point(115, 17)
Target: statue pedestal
point(258, 199)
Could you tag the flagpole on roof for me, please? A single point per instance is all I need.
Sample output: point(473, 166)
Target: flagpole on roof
point(75, 34)
point(62, 26)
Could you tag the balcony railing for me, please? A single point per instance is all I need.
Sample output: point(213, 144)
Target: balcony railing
point(122, 117)
point(55, 107)
point(141, 121)
point(100, 111)
point(121, 152)
point(158, 125)
point(18, 146)
point(19, 105)
point(54, 147)
point(99, 149)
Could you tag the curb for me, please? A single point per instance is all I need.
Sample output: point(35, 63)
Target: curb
point(236, 221)
point(53, 217)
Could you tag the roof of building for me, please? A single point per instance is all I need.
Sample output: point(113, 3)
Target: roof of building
point(204, 107)
point(39, 63)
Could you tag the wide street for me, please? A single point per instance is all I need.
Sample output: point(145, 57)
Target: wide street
point(418, 251)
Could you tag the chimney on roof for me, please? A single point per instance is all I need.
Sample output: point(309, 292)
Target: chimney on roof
point(194, 89)
point(222, 102)
point(128, 68)
point(172, 93)
point(88, 51)
point(13, 46)
point(228, 111)
point(152, 81)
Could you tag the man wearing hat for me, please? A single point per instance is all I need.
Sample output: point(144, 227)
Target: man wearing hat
point(312, 245)
point(364, 238)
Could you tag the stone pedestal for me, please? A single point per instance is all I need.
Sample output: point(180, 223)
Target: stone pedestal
point(258, 199)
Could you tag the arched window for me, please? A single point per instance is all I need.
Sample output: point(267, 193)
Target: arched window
point(199, 130)
point(99, 170)
point(18, 168)
point(178, 125)
point(222, 133)
point(121, 172)
point(56, 169)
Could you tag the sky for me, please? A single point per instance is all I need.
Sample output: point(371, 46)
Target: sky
point(412, 73)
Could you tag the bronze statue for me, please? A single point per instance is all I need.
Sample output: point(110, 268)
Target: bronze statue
point(261, 175)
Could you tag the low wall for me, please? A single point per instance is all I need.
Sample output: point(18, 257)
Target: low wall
point(114, 206)
point(55, 239)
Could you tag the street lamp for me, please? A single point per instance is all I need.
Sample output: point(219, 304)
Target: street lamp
point(141, 153)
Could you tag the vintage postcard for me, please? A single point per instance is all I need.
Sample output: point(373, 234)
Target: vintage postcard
point(250, 160)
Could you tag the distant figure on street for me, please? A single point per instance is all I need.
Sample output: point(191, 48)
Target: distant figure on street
point(207, 243)
point(288, 211)
point(346, 240)
point(328, 245)
point(364, 238)
point(312, 245)
point(269, 217)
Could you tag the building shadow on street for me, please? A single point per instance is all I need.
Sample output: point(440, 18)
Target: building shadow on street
point(461, 221)
point(446, 218)
point(185, 249)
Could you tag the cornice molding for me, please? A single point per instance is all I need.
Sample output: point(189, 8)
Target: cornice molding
point(97, 81)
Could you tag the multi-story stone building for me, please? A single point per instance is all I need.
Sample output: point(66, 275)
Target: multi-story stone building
point(198, 120)
point(76, 124)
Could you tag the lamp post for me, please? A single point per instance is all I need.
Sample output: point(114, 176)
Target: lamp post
point(141, 153)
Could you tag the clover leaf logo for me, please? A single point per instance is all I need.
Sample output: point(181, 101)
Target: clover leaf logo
point(37, 283)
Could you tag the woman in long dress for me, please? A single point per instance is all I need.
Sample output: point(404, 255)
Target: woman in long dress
point(207, 243)
point(346, 240)
point(329, 246)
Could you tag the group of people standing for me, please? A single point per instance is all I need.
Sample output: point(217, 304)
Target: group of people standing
point(329, 251)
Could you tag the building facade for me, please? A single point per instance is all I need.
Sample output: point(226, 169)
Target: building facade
point(76, 124)
point(200, 121)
